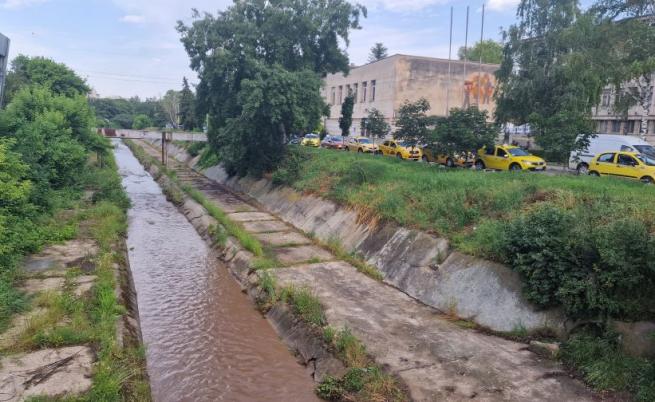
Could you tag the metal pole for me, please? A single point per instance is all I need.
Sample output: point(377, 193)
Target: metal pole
point(450, 55)
point(481, 39)
point(466, 42)
point(163, 148)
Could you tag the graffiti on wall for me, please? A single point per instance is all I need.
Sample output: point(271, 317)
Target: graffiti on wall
point(479, 89)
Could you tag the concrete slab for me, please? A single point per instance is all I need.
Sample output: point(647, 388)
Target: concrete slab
point(33, 286)
point(251, 216)
point(60, 256)
point(283, 239)
point(84, 284)
point(438, 360)
point(265, 226)
point(18, 325)
point(302, 254)
point(49, 372)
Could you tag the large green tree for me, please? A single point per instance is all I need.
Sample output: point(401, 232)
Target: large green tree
point(264, 59)
point(489, 51)
point(28, 71)
point(544, 80)
point(464, 131)
point(378, 52)
point(346, 118)
point(412, 121)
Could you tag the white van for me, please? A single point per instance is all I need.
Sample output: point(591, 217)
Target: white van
point(601, 143)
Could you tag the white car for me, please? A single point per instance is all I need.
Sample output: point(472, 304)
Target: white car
point(602, 143)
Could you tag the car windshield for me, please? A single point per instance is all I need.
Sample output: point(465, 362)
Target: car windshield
point(646, 149)
point(405, 144)
point(647, 159)
point(311, 136)
point(518, 152)
point(365, 141)
point(337, 138)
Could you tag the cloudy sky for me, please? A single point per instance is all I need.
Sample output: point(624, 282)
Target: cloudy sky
point(130, 47)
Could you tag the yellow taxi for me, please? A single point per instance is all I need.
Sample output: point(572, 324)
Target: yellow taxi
point(624, 164)
point(311, 140)
point(401, 150)
point(457, 159)
point(508, 157)
point(361, 145)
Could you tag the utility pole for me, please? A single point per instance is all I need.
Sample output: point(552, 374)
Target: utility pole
point(450, 55)
point(481, 39)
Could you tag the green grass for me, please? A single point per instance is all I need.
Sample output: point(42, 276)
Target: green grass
point(468, 207)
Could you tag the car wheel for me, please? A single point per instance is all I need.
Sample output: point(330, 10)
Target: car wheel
point(647, 180)
point(479, 165)
point(425, 159)
point(450, 163)
point(595, 174)
point(583, 169)
point(515, 167)
point(360, 151)
point(346, 149)
point(399, 156)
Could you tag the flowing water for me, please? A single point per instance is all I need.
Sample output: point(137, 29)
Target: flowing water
point(204, 339)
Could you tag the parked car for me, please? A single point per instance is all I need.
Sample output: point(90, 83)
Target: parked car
point(632, 165)
point(508, 157)
point(603, 143)
point(401, 150)
point(333, 142)
point(311, 140)
point(458, 159)
point(295, 140)
point(361, 145)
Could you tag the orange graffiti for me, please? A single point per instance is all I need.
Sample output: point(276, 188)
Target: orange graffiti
point(479, 89)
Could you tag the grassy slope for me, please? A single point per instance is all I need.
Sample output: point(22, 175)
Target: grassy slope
point(465, 206)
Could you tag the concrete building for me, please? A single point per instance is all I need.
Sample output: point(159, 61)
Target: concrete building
point(386, 84)
point(4, 60)
point(609, 122)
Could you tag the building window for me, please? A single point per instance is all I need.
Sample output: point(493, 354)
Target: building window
point(616, 126)
point(355, 90)
point(364, 87)
point(340, 94)
point(602, 127)
point(605, 101)
point(348, 90)
point(629, 127)
point(333, 96)
point(373, 82)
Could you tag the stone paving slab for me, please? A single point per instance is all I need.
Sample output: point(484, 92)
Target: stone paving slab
point(438, 360)
point(302, 254)
point(60, 256)
point(33, 286)
point(17, 327)
point(70, 373)
point(283, 239)
point(251, 216)
point(265, 226)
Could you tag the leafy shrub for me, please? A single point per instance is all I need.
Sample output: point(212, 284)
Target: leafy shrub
point(592, 265)
point(290, 167)
point(196, 148)
point(330, 389)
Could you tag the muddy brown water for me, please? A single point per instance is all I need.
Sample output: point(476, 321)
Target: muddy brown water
point(204, 339)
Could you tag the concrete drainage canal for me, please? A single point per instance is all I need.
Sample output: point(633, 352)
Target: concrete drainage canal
point(204, 339)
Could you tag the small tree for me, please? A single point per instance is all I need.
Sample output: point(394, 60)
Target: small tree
point(378, 52)
point(141, 121)
point(187, 107)
point(346, 119)
point(413, 122)
point(463, 131)
point(376, 124)
point(171, 105)
point(489, 51)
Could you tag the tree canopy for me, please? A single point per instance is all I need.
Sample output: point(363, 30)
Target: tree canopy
point(378, 52)
point(412, 120)
point(260, 65)
point(376, 124)
point(489, 51)
point(188, 119)
point(463, 131)
point(346, 119)
point(58, 78)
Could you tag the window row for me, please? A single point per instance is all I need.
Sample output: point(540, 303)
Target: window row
point(367, 93)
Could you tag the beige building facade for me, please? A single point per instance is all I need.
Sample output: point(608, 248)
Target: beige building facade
point(609, 122)
point(386, 84)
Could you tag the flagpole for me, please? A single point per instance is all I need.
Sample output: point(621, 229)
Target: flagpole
point(450, 56)
point(481, 39)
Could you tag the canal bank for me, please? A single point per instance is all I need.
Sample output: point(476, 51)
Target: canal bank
point(204, 338)
point(437, 357)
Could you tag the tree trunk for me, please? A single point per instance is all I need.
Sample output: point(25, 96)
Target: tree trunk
point(645, 101)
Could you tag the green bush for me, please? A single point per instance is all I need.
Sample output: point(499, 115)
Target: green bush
point(290, 168)
point(196, 148)
point(595, 266)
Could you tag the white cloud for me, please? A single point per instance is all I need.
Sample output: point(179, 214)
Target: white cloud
point(15, 4)
point(132, 19)
point(502, 5)
point(402, 5)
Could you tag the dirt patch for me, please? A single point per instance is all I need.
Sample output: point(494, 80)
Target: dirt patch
point(73, 253)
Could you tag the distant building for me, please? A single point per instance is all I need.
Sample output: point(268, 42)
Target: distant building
point(4, 60)
point(386, 84)
point(610, 122)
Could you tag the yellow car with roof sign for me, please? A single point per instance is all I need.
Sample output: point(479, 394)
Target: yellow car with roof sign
point(631, 165)
point(311, 140)
point(361, 145)
point(401, 150)
point(508, 157)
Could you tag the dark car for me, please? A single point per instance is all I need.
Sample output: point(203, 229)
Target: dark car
point(333, 142)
